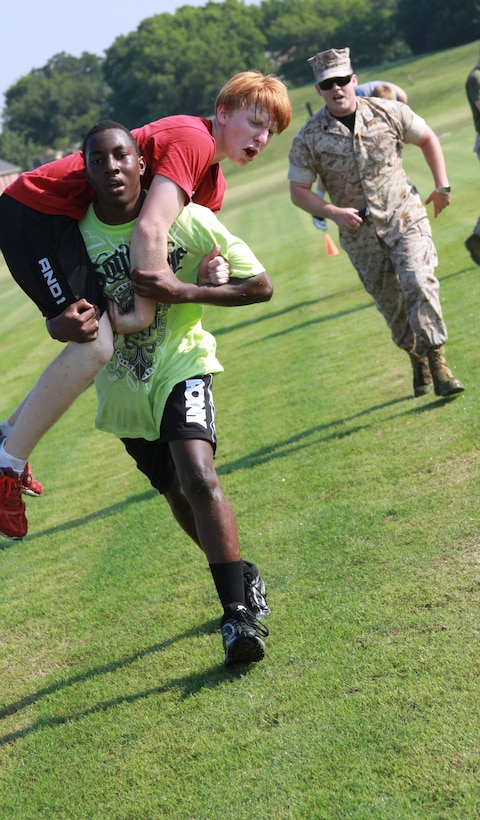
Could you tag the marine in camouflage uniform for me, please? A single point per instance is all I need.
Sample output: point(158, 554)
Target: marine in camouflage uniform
point(358, 160)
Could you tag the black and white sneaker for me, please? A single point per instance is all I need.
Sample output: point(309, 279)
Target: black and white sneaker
point(241, 636)
point(255, 593)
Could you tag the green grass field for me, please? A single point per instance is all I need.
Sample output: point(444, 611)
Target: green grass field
point(359, 503)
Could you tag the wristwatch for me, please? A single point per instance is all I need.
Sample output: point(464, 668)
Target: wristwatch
point(443, 189)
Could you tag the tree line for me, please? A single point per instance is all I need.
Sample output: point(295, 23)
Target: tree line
point(177, 63)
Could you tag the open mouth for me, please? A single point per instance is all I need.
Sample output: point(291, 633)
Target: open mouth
point(251, 152)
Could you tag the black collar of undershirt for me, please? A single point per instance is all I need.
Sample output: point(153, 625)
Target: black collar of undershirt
point(348, 120)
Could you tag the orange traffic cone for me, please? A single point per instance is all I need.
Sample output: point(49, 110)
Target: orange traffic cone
point(330, 246)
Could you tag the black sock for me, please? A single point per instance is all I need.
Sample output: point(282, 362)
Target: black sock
point(229, 582)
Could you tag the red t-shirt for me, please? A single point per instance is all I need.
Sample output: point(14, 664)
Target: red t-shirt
point(180, 148)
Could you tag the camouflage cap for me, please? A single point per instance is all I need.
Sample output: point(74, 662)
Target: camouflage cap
point(332, 63)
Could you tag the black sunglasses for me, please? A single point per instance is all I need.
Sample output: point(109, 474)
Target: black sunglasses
point(327, 85)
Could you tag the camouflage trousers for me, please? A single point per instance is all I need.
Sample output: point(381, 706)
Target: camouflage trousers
point(476, 148)
point(401, 279)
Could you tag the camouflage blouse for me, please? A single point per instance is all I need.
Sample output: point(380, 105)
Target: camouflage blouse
point(363, 168)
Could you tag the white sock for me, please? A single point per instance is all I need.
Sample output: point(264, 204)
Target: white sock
point(6, 460)
point(5, 428)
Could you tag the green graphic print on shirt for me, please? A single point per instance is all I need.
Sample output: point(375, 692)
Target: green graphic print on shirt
point(133, 387)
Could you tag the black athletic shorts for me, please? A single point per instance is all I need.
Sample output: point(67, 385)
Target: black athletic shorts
point(47, 257)
point(189, 414)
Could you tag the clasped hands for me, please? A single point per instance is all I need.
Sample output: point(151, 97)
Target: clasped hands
point(79, 321)
point(165, 287)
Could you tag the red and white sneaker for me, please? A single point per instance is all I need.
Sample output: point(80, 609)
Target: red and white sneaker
point(13, 522)
point(30, 485)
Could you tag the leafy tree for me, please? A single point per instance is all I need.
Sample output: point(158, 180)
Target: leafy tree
point(427, 27)
point(297, 29)
point(55, 105)
point(371, 32)
point(177, 63)
point(15, 149)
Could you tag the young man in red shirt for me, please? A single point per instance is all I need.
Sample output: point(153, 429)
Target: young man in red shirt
point(42, 246)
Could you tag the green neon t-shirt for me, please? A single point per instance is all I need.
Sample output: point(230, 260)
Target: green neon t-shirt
point(133, 387)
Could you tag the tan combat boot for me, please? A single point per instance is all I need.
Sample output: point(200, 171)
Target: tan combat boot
point(444, 382)
point(422, 378)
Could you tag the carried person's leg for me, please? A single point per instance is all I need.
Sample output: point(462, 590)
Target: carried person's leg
point(47, 257)
point(62, 381)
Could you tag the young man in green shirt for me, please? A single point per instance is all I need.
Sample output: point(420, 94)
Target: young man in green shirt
point(156, 391)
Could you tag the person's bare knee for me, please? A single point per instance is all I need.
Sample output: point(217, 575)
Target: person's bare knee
point(201, 485)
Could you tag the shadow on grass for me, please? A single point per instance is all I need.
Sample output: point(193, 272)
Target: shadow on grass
point(456, 273)
point(188, 684)
point(275, 314)
point(282, 449)
point(299, 306)
point(317, 320)
point(436, 403)
point(78, 522)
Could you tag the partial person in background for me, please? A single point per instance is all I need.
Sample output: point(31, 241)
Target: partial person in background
point(380, 88)
point(354, 145)
point(370, 89)
point(384, 91)
point(472, 87)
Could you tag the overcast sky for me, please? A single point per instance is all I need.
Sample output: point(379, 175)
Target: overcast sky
point(33, 31)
